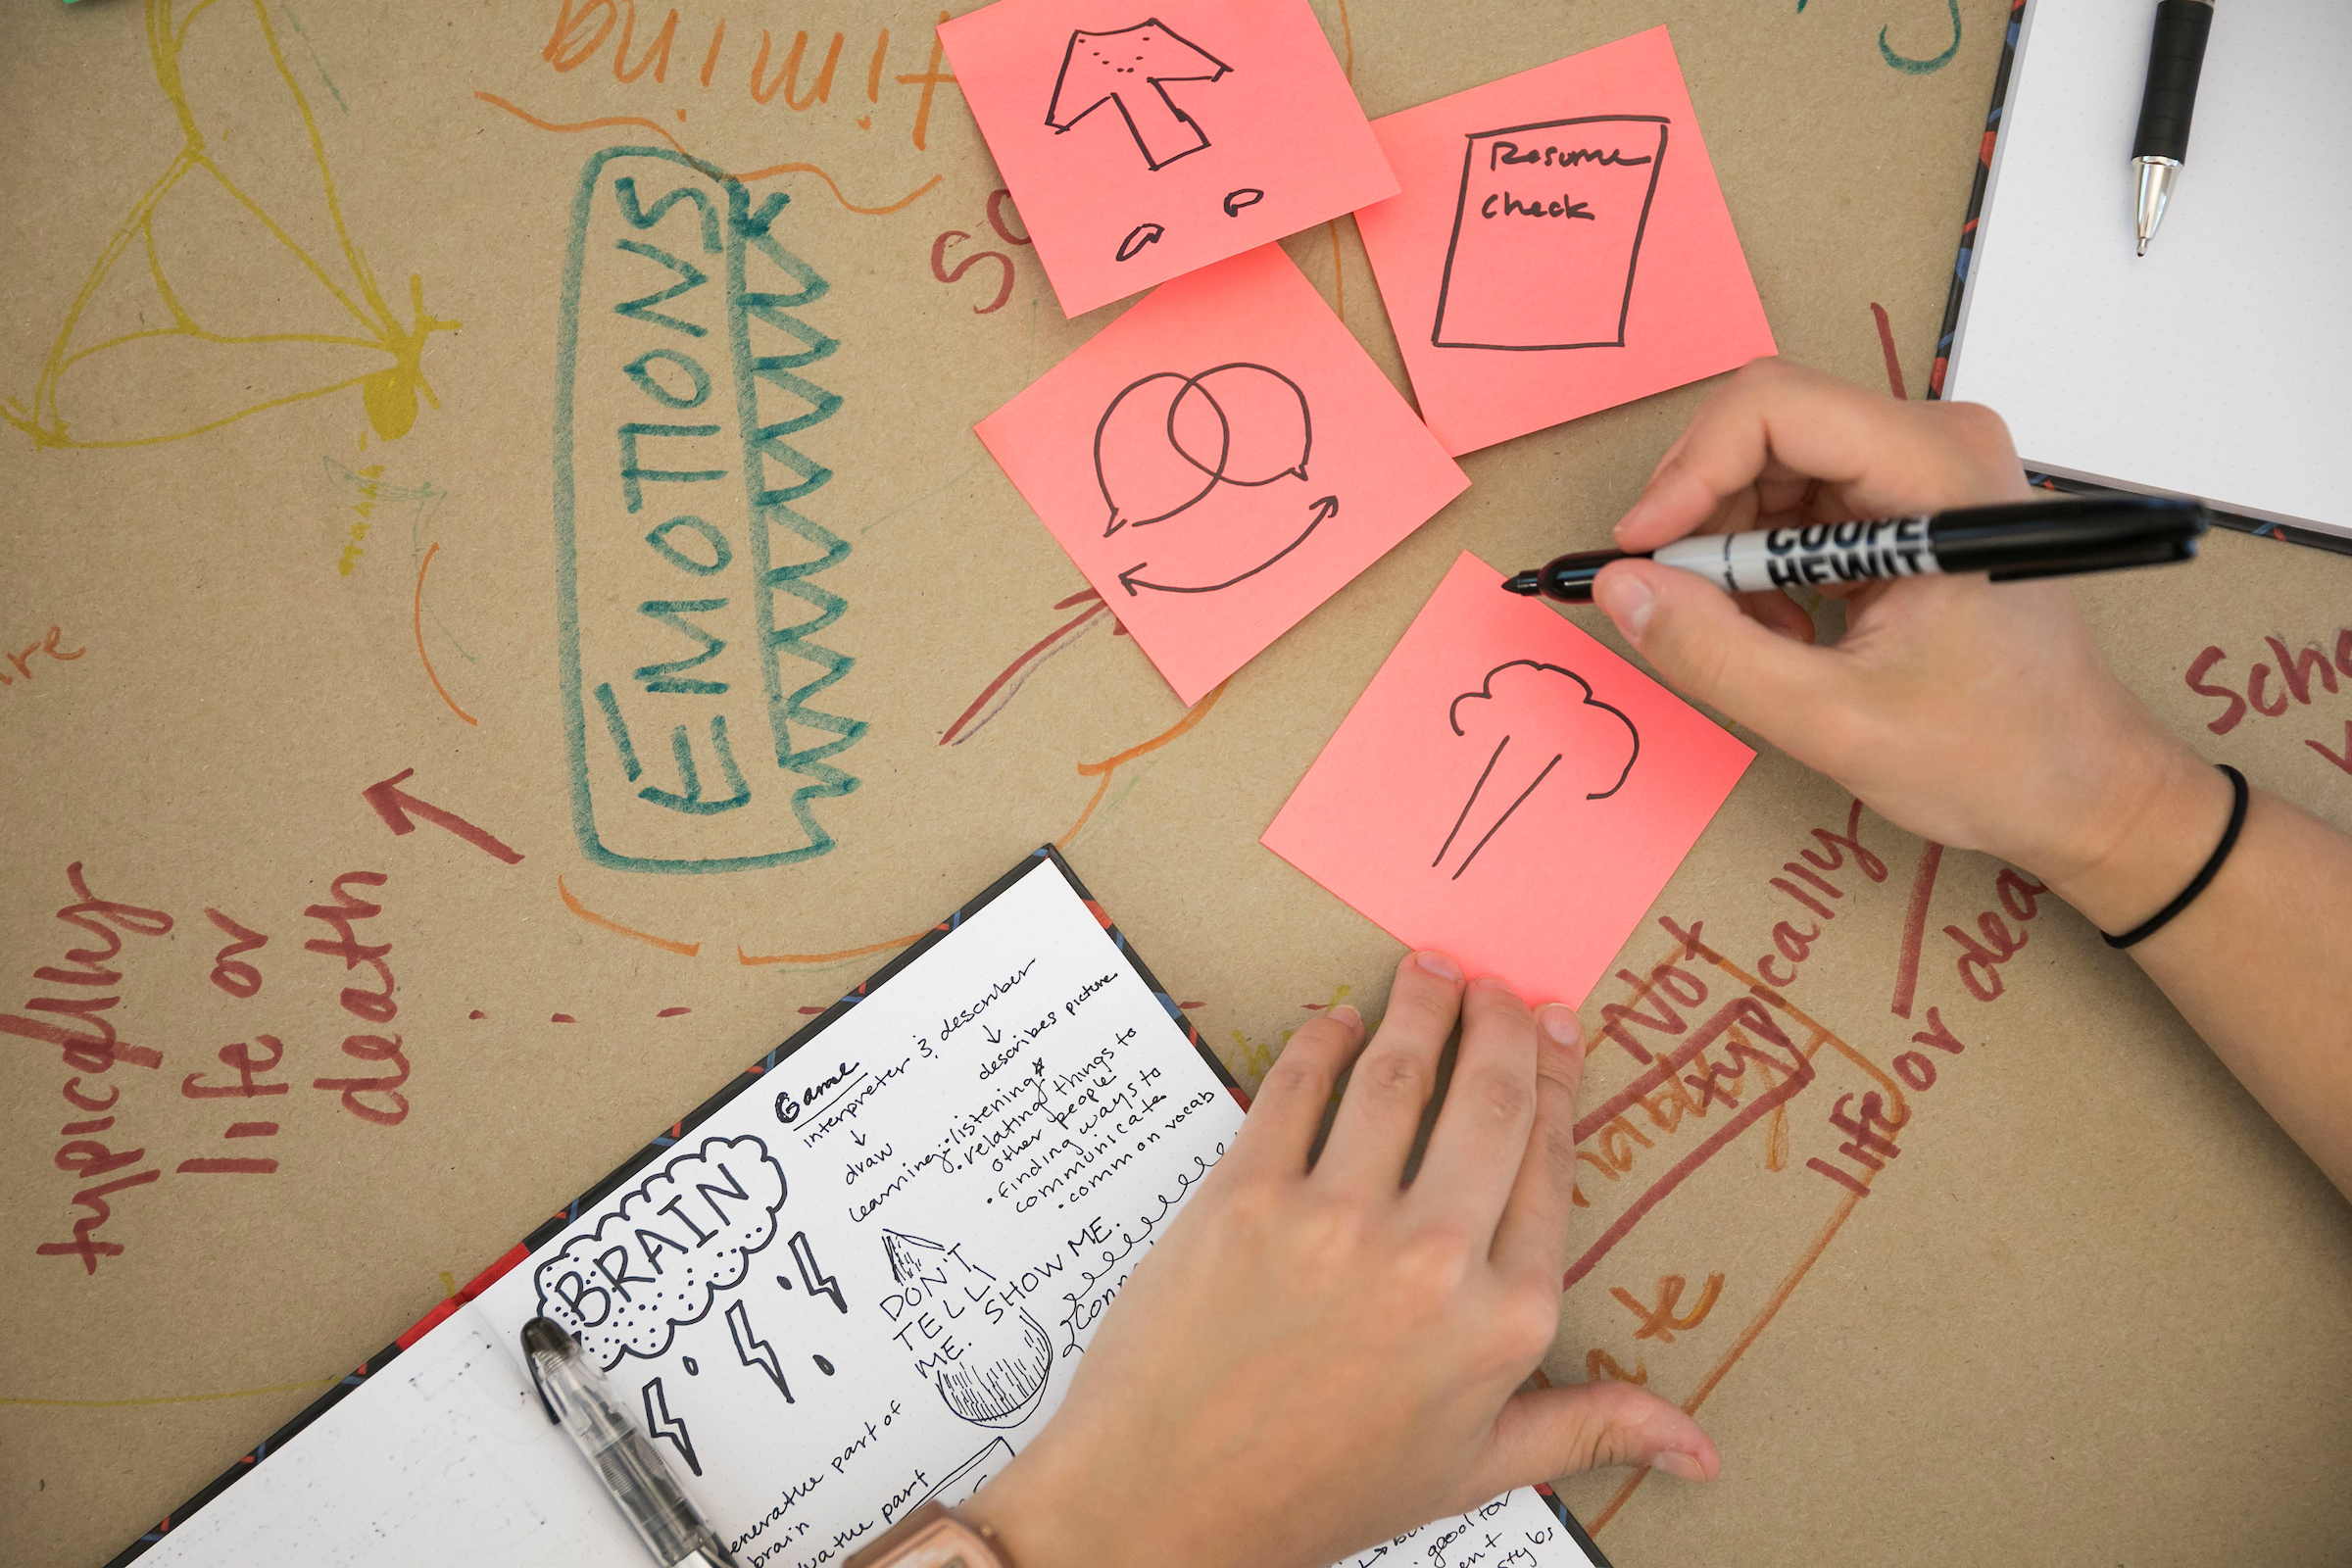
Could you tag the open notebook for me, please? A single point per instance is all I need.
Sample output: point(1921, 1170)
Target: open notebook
point(857, 1278)
point(2215, 366)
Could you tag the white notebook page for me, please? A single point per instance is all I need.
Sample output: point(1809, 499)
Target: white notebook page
point(863, 1282)
point(2219, 365)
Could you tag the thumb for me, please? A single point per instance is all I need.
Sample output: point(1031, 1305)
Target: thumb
point(1563, 1431)
point(1696, 637)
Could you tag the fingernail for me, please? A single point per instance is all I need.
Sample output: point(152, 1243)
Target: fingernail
point(1680, 1465)
point(1494, 981)
point(1627, 600)
point(1441, 967)
point(1561, 1025)
point(1638, 512)
point(1346, 1017)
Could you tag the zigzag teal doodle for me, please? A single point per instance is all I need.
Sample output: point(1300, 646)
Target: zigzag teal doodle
point(704, 586)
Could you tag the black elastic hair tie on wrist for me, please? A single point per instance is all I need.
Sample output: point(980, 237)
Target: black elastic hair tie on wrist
point(2188, 895)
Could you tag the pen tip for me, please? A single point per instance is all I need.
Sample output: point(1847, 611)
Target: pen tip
point(1528, 583)
point(2144, 247)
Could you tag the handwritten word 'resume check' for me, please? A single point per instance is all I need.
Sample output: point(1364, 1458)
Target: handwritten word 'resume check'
point(1561, 246)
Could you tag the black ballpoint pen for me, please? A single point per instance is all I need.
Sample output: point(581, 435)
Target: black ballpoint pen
point(2176, 54)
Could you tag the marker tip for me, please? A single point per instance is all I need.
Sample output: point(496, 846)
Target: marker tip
point(1527, 583)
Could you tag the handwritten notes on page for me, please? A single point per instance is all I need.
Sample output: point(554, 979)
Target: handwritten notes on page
point(1219, 461)
point(1561, 246)
point(1140, 144)
point(861, 1279)
point(865, 1280)
point(1508, 791)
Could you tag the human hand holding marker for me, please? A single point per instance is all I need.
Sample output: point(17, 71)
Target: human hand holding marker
point(1984, 717)
point(1317, 1355)
point(1981, 716)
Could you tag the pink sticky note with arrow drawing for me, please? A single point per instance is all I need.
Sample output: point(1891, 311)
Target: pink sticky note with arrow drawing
point(1561, 246)
point(1507, 790)
point(1141, 143)
point(1219, 461)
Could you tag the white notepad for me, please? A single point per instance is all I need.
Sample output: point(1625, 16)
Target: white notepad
point(859, 1280)
point(2219, 365)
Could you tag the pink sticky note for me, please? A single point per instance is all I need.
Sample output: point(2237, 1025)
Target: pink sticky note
point(1507, 790)
point(1140, 147)
point(1219, 461)
point(1561, 246)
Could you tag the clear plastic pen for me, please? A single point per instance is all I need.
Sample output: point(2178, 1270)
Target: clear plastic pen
point(623, 1457)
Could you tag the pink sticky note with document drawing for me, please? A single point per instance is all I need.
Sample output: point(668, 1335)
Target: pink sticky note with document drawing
point(1219, 461)
point(1561, 246)
point(1141, 144)
point(1507, 790)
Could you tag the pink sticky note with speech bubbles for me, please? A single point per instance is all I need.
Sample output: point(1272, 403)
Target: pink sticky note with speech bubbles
point(1219, 461)
point(1507, 790)
point(1561, 246)
point(1142, 142)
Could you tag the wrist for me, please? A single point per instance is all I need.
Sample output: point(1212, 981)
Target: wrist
point(1036, 1517)
point(2154, 833)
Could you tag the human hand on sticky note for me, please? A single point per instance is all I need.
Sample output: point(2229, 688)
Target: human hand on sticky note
point(1978, 715)
point(1317, 1358)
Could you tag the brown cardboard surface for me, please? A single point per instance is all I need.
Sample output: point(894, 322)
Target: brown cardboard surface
point(2094, 1313)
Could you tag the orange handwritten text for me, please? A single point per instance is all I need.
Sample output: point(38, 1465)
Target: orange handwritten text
point(35, 655)
point(797, 76)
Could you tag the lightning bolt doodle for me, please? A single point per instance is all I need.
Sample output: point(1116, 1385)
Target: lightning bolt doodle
point(820, 1282)
point(670, 1429)
point(753, 1350)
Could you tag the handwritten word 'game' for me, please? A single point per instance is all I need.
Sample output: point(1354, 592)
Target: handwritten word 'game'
point(1144, 145)
point(688, 610)
point(1559, 246)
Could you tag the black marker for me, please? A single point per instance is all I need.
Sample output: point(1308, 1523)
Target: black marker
point(2024, 539)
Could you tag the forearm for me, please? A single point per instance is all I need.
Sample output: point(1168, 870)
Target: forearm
point(2258, 964)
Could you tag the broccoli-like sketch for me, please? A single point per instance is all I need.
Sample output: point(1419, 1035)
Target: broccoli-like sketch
point(1554, 717)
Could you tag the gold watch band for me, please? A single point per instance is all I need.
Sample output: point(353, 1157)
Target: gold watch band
point(933, 1537)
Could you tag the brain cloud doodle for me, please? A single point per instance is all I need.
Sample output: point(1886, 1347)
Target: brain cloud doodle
point(685, 1234)
point(1532, 723)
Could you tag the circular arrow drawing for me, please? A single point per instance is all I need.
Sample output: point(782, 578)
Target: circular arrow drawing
point(1323, 511)
point(1168, 439)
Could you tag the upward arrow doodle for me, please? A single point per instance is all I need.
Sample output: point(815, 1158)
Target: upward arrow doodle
point(397, 805)
point(1101, 67)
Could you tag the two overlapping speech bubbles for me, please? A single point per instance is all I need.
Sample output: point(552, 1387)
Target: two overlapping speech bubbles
point(1168, 440)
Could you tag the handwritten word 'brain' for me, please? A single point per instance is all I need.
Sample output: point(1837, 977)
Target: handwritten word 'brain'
point(1167, 440)
point(1533, 723)
point(685, 1234)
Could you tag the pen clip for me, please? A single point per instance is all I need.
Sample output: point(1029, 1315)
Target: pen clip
point(531, 1358)
point(540, 1388)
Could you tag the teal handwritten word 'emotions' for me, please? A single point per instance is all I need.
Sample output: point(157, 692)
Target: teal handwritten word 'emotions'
point(686, 613)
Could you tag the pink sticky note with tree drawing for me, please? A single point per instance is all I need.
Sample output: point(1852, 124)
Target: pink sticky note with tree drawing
point(1141, 144)
point(1507, 790)
point(1561, 246)
point(1219, 461)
